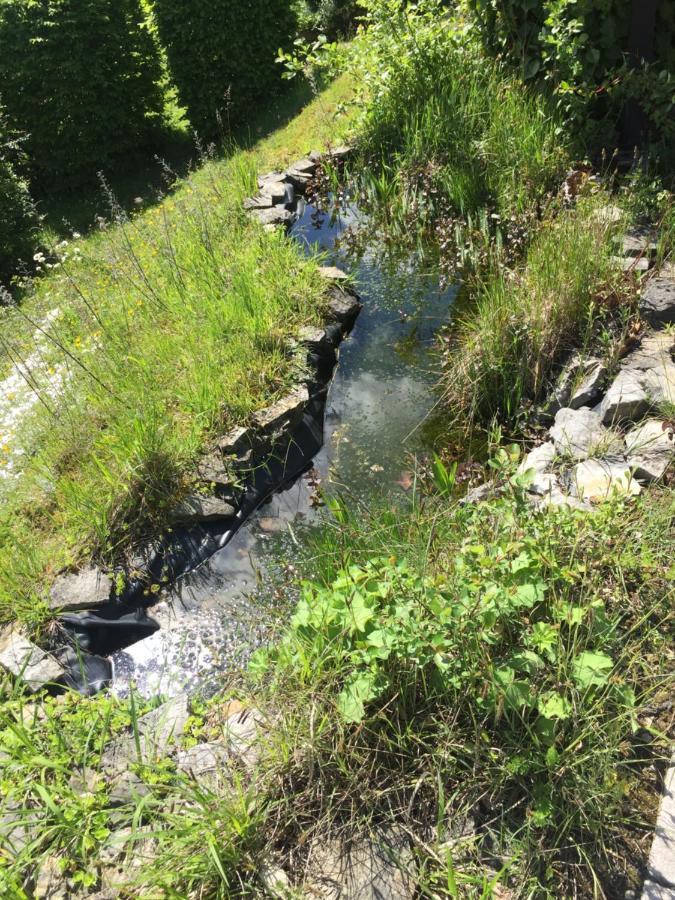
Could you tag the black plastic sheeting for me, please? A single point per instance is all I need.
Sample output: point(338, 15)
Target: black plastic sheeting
point(123, 621)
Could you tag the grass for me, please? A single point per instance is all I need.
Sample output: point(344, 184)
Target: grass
point(524, 320)
point(480, 668)
point(172, 325)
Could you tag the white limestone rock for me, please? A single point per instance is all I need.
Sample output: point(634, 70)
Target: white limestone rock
point(626, 399)
point(25, 660)
point(579, 433)
point(599, 479)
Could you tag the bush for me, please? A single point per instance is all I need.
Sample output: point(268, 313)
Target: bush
point(81, 79)
point(579, 49)
point(222, 54)
point(334, 18)
point(17, 213)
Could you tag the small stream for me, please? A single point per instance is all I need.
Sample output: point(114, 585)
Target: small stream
point(377, 414)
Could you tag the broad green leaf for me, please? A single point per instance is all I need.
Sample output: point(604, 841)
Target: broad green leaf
point(591, 669)
point(553, 705)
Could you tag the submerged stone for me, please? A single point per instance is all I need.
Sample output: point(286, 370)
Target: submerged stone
point(25, 660)
point(86, 589)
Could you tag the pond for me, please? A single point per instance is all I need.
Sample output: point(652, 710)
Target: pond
point(379, 410)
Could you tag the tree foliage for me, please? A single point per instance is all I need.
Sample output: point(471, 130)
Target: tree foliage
point(81, 79)
point(222, 54)
point(580, 49)
point(18, 219)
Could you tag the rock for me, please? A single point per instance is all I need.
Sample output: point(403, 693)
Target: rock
point(277, 215)
point(659, 383)
point(234, 441)
point(16, 827)
point(626, 399)
point(654, 350)
point(657, 304)
point(266, 181)
point(480, 492)
point(539, 459)
point(241, 736)
point(200, 508)
point(366, 869)
point(50, 882)
point(598, 479)
point(332, 273)
point(654, 891)
point(631, 263)
point(608, 214)
point(274, 881)
point(25, 660)
point(123, 856)
point(343, 307)
point(579, 433)
point(215, 470)
point(638, 244)
point(650, 448)
point(543, 483)
point(590, 387)
point(338, 154)
point(661, 866)
point(157, 730)
point(86, 589)
point(205, 763)
point(261, 202)
point(313, 338)
point(305, 166)
point(285, 412)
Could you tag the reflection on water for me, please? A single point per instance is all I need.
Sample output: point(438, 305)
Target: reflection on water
point(381, 396)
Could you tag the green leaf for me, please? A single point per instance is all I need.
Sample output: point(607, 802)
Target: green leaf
point(361, 612)
point(553, 705)
point(354, 695)
point(591, 669)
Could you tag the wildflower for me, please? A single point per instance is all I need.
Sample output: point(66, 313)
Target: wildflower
point(76, 235)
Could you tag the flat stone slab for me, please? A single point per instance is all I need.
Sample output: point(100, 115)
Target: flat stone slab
point(234, 441)
point(200, 508)
point(599, 479)
point(579, 433)
point(277, 215)
point(372, 869)
point(626, 399)
point(657, 304)
point(305, 166)
point(86, 589)
point(655, 350)
point(632, 263)
point(270, 178)
point(661, 866)
point(262, 201)
point(659, 382)
point(285, 411)
point(25, 660)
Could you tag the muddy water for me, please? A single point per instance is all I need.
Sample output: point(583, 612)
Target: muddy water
point(377, 413)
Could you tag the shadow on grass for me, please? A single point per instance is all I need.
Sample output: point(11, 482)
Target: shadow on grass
point(149, 174)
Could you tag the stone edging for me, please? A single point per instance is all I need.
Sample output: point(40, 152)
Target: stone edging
point(660, 881)
point(239, 470)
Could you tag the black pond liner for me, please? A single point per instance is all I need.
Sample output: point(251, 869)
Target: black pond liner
point(124, 621)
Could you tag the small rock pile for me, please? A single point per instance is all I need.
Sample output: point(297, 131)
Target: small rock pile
point(612, 435)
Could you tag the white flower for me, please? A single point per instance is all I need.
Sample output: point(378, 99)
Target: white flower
point(76, 235)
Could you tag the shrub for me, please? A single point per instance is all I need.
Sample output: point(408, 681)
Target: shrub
point(334, 18)
point(222, 54)
point(579, 49)
point(17, 213)
point(80, 78)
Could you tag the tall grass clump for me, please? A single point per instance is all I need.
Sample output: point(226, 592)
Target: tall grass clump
point(525, 319)
point(167, 328)
point(460, 130)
